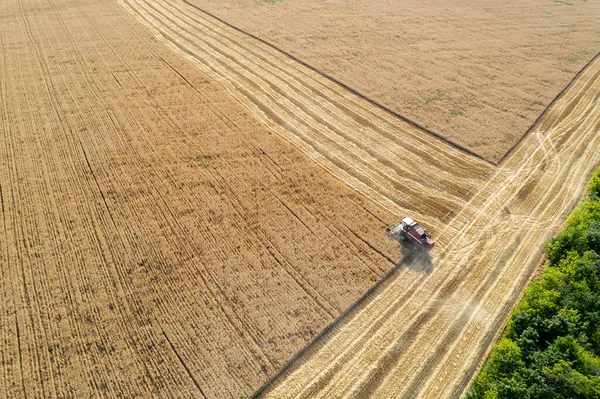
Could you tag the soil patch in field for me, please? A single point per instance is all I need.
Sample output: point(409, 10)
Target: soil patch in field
point(477, 72)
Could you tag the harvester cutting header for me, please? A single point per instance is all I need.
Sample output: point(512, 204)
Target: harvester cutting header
point(407, 230)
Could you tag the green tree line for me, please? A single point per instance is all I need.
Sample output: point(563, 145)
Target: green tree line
point(551, 346)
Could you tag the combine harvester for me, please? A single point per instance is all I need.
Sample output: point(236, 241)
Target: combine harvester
point(411, 232)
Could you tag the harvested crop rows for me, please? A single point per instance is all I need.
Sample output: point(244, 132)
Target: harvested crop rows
point(482, 264)
point(354, 140)
point(478, 72)
point(157, 240)
point(425, 335)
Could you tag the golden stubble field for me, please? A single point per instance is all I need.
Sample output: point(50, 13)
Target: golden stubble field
point(161, 238)
point(477, 72)
point(425, 335)
point(155, 239)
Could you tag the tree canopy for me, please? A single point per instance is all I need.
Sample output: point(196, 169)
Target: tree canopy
point(551, 346)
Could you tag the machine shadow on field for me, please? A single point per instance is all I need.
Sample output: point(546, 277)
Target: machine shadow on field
point(415, 258)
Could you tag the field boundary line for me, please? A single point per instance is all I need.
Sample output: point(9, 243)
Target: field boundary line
point(287, 367)
point(536, 123)
point(359, 302)
point(187, 369)
point(350, 89)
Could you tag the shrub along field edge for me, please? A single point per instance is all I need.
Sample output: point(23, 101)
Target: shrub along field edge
point(551, 346)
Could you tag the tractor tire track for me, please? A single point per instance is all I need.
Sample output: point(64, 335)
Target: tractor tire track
point(449, 331)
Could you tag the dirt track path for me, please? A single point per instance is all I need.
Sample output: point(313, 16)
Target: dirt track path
point(425, 335)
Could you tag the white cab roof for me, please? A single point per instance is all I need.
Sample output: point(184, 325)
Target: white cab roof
point(408, 221)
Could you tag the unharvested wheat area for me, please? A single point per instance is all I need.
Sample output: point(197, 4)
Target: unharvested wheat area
point(185, 208)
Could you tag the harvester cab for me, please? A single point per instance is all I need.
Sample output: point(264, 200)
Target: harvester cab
point(409, 231)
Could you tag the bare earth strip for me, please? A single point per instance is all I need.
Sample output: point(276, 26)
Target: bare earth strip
point(425, 335)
